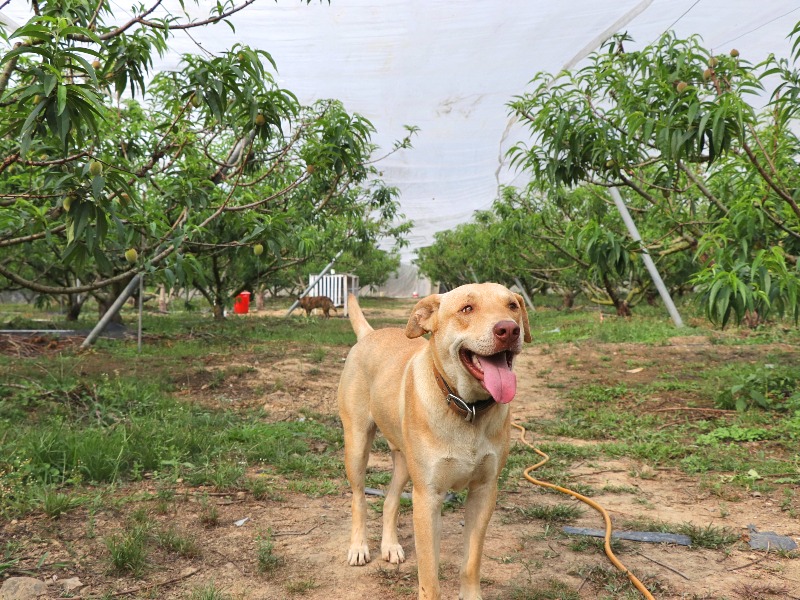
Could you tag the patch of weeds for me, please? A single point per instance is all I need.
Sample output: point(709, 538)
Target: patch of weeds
point(710, 536)
point(597, 394)
point(316, 488)
point(402, 582)
point(259, 487)
point(209, 513)
point(554, 513)
point(318, 354)
point(208, 591)
point(225, 476)
point(733, 433)
point(644, 472)
point(54, 503)
point(164, 498)
point(720, 488)
point(587, 543)
point(768, 387)
point(267, 561)
point(217, 379)
point(610, 580)
point(173, 541)
point(128, 552)
point(641, 523)
point(301, 587)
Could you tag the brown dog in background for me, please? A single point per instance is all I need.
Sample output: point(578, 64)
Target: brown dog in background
point(309, 303)
point(442, 404)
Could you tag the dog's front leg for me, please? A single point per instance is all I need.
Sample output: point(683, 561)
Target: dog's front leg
point(480, 504)
point(427, 533)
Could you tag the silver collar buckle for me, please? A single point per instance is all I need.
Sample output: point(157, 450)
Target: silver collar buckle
point(469, 408)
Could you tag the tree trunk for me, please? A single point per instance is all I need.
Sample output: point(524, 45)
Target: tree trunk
point(103, 304)
point(163, 305)
point(567, 300)
point(623, 310)
point(219, 311)
point(104, 301)
point(74, 306)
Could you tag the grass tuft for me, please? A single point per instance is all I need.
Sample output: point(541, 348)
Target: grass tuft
point(268, 561)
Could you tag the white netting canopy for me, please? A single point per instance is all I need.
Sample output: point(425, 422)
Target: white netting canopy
point(450, 68)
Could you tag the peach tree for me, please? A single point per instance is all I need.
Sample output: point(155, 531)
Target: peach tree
point(705, 173)
point(108, 168)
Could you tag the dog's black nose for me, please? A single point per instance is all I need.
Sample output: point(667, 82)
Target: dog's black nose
point(506, 331)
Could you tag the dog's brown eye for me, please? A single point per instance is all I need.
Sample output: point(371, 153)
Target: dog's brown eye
point(467, 309)
point(513, 305)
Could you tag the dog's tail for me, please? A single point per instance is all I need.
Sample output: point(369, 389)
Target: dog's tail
point(357, 319)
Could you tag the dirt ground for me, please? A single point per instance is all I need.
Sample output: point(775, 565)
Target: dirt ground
point(311, 533)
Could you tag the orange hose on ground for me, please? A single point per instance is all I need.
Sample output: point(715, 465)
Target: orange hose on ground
point(606, 518)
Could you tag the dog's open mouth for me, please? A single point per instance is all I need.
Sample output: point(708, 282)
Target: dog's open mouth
point(494, 373)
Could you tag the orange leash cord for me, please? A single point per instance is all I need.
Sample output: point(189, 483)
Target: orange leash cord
point(606, 518)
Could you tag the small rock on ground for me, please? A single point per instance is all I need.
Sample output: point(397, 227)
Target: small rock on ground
point(22, 588)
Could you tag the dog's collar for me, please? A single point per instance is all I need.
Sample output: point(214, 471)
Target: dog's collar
point(468, 410)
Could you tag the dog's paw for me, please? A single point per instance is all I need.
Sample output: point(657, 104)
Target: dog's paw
point(471, 594)
point(358, 556)
point(393, 553)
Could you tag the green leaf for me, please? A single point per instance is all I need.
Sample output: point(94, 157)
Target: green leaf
point(61, 95)
point(98, 183)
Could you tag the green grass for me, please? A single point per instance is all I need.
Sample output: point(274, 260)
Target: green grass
point(553, 513)
point(128, 551)
point(208, 591)
point(173, 541)
point(266, 559)
point(119, 429)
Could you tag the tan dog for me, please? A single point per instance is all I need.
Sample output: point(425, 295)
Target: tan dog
point(309, 303)
point(442, 404)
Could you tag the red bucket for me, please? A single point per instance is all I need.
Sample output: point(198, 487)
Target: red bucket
point(241, 306)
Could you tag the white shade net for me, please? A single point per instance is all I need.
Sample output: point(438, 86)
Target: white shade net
point(450, 68)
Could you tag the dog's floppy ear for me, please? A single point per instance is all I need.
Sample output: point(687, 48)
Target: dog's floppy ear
point(423, 317)
point(526, 325)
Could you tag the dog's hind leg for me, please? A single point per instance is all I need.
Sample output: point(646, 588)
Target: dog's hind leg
point(357, 444)
point(391, 550)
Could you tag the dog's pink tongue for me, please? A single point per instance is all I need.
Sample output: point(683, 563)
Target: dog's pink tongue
point(498, 379)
